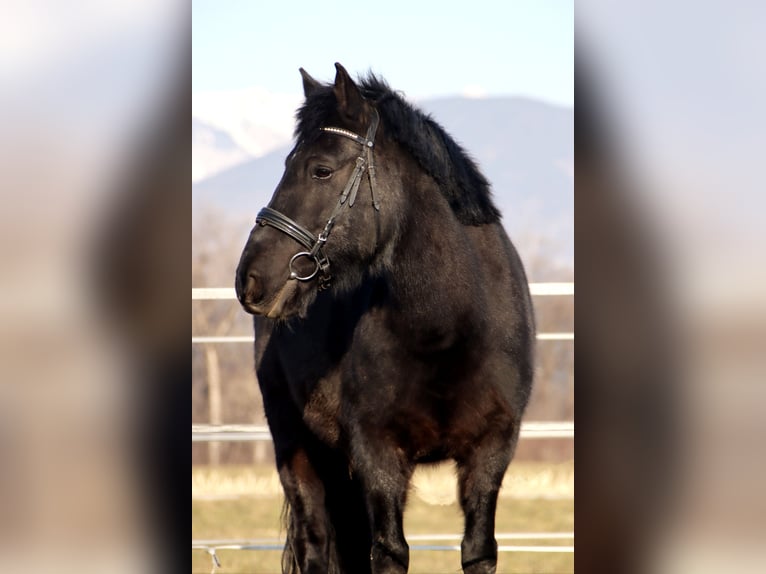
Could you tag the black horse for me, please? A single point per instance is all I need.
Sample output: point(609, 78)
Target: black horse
point(393, 327)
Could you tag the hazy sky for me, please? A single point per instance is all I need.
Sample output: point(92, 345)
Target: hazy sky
point(425, 48)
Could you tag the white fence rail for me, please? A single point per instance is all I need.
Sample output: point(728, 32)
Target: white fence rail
point(212, 546)
point(245, 433)
point(251, 338)
point(227, 293)
point(276, 544)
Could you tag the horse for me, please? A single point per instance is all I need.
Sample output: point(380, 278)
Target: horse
point(390, 332)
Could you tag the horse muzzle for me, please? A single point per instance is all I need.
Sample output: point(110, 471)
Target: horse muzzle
point(251, 295)
point(250, 291)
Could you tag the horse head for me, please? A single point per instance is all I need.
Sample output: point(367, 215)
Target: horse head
point(332, 213)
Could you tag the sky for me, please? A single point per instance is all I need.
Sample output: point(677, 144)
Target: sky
point(425, 48)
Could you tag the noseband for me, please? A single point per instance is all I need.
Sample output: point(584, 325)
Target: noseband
point(314, 245)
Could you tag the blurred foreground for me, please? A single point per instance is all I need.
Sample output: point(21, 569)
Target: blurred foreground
point(671, 318)
point(94, 228)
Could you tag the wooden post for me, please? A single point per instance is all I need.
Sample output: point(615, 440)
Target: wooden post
point(214, 400)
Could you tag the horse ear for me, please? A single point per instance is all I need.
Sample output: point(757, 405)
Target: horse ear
point(350, 99)
point(310, 85)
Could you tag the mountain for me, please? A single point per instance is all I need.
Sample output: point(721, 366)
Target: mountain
point(213, 150)
point(524, 147)
point(259, 121)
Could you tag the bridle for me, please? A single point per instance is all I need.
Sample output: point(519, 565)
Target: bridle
point(314, 245)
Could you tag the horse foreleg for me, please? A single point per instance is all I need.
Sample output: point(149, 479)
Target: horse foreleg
point(480, 476)
point(385, 477)
point(308, 537)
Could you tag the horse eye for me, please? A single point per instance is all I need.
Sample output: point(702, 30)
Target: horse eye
point(322, 173)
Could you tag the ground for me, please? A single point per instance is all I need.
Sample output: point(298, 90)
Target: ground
point(244, 503)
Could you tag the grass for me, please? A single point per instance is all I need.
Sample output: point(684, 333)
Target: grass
point(244, 503)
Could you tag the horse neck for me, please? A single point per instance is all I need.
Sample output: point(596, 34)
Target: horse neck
point(431, 261)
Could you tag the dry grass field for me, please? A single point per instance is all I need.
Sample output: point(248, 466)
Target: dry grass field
point(244, 503)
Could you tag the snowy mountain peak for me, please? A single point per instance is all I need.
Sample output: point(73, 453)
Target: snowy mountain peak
point(258, 121)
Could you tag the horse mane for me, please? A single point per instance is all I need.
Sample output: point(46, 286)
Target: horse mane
point(461, 183)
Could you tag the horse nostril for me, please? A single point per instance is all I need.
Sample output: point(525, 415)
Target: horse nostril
point(253, 288)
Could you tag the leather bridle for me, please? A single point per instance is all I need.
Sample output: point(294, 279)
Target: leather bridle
point(315, 245)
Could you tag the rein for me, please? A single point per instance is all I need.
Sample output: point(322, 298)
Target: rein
point(314, 245)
